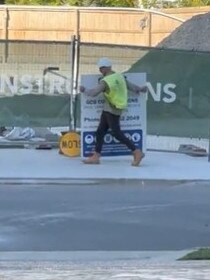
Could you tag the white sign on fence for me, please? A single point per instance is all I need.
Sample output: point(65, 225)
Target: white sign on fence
point(133, 119)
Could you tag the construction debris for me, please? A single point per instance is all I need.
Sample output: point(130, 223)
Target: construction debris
point(192, 150)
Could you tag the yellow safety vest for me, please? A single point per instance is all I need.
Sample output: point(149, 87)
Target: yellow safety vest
point(118, 93)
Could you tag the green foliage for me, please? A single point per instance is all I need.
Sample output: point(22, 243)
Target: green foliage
point(114, 3)
point(34, 2)
point(191, 3)
point(97, 3)
point(119, 3)
point(149, 4)
point(201, 254)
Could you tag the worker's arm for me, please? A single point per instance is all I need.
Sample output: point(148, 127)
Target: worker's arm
point(101, 87)
point(135, 88)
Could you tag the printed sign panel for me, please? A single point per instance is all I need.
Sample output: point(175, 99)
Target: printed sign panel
point(133, 119)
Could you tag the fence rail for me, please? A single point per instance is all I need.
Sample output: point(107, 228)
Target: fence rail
point(97, 25)
point(38, 86)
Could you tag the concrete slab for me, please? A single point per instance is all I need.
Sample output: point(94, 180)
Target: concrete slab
point(32, 164)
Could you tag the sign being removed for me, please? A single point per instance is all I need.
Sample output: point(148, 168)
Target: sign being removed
point(133, 119)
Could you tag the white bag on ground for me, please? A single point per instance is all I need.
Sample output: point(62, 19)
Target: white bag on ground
point(19, 133)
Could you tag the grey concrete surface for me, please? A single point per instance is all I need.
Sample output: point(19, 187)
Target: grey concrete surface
point(107, 270)
point(105, 215)
point(47, 165)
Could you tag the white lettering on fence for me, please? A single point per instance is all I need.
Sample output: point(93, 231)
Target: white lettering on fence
point(26, 84)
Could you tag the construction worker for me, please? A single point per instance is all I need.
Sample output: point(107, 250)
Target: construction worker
point(115, 89)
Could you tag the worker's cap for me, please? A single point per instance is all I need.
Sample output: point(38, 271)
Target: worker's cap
point(104, 62)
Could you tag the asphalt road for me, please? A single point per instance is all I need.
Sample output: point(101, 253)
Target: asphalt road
point(105, 215)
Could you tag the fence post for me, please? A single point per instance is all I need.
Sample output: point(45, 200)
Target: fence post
point(190, 98)
point(72, 61)
point(149, 34)
point(75, 55)
point(77, 60)
point(6, 34)
point(209, 143)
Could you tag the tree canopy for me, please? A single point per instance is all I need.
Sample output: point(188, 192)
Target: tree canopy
point(87, 3)
point(114, 3)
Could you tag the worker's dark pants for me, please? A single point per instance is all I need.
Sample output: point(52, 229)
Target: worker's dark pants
point(111, 121)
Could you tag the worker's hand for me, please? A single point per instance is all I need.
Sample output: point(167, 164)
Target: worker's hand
point(82, 89)
point(142, 89)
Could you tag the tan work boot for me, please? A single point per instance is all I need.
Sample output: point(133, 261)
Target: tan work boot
point(94, 159)
point(138, 155)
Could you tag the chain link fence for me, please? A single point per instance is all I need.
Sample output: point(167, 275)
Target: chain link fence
point(178, 85)
point(36, 84)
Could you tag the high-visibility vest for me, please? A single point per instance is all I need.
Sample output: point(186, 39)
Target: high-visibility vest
point(118, 93)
